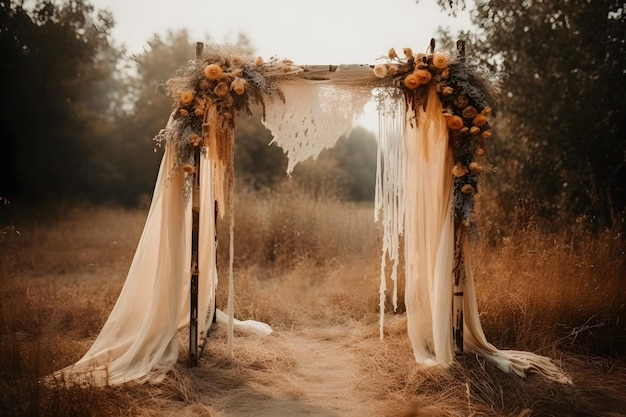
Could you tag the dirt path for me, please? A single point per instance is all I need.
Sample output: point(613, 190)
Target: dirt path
point(308, 372)
point(327, 372)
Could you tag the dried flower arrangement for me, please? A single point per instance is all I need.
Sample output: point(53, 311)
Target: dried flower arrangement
point(207, 93)
point(466, 95)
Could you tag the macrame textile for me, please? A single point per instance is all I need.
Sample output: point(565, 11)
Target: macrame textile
point(313, 116)
point(389, 194)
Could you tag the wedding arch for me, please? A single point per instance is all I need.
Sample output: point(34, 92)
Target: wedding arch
point(433, 111)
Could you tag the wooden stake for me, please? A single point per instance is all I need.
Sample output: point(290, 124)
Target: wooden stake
point(194, 350)
point(458, 273)
point(193, 302)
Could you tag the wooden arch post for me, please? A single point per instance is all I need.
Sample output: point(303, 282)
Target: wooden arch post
point(195, 350)
point(458, 271)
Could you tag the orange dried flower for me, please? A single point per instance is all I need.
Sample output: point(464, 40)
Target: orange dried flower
point(198, 111)
point(454, 123)
point(221, 89)
point(238, 86)
point(475, 167)
point(189, 169)
point(423, 76)
point(213, 72)
point(195, 139)
point(392, 70)
point(408, 53)
point(380, 70)
point(467, 189)
point(258, 61)
point(479, 152)
point(440, 62)
point(486, 111)
point(186, 97)
point(479, 120)
point(447, 90)
point(445, 74)
point(469, 112)
point(474, 130)
point(486, 134)
point(236, 61)
point(459, 170)
point(183, 112)
point(411, 81)
point(392, 53)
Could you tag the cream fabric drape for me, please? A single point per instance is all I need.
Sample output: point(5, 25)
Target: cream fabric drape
point(429, 250)
point(429, 254)
point(139, 341)
point(475, 341)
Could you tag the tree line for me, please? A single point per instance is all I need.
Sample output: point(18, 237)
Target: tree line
point(79, 117)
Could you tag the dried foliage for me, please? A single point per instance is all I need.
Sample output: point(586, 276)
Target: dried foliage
point(207, 94)
point(467, 94)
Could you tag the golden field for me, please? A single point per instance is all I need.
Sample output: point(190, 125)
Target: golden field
point(309, 267)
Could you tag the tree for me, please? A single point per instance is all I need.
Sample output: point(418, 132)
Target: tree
point(130, 154)
point(356, 155)
point(257, 163)
point(347, 170)
point(55, 76)
point(563, 103)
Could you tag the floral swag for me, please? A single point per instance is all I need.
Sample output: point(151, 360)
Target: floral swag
point(208, 93)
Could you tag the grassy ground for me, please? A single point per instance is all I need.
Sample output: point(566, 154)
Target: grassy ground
point(307, 267)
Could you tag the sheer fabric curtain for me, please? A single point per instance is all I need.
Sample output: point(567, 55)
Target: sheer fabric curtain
point(429, 254)
point(139, 340)
point(429, 240)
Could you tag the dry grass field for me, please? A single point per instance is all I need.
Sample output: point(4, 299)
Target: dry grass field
point(310, 269)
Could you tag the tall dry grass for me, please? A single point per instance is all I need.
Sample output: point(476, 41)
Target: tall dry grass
point(59, 283)
point(305, 261)
point(290, 244)
point(547, 292)
point(287, 227)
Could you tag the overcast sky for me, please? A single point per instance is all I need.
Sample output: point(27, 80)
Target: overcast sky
point(307, 32)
